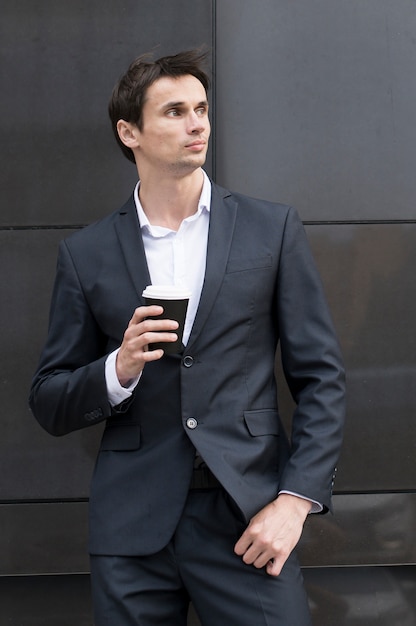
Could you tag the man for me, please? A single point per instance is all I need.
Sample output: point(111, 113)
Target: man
point(196, 493)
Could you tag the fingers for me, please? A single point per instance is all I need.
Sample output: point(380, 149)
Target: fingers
point(275, 566)
point(272, 534)
point(144, 329)
point(146, 319)
point(261, 554)
point(143, 312)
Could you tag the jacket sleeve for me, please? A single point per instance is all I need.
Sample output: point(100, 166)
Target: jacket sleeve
point(313, 367)
point(68, 390)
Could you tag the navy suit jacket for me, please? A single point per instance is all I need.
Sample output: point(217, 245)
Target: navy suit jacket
point(261, 286)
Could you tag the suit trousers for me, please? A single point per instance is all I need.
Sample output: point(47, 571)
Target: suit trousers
point(198, 565)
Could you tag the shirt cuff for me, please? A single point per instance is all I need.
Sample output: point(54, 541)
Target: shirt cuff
point(115, 392)
point(316, 507)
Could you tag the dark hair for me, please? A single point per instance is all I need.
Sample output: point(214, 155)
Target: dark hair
point(129, 94)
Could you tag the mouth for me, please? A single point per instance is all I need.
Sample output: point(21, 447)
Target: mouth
point(199, 144)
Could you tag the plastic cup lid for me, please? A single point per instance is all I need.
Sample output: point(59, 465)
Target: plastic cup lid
point(166, 292)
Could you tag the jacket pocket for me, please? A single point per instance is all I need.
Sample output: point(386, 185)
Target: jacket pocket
point(262, 422)
point(121, 437)
point(242, 265)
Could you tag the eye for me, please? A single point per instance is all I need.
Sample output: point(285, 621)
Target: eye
point(173, 113)
point(201, 111)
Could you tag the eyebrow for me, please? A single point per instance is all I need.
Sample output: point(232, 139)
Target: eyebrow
point(171, 105)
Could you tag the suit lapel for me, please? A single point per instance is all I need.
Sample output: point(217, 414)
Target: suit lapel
point(221, 228)
point(131, 242)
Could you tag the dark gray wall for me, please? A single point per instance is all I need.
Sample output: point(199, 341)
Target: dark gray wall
point(316, 108)
point(315, 105)
point(60, 168)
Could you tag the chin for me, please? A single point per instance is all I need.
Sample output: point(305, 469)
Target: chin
point(190, 164)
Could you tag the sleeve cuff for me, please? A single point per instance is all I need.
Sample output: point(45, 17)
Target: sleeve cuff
point(316, 507)
point(115, 392)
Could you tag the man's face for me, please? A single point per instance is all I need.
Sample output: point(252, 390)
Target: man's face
point(175, 127)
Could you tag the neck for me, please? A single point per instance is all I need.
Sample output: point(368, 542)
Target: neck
point(168, 202)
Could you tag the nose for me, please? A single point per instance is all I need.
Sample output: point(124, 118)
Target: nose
point(196, 123)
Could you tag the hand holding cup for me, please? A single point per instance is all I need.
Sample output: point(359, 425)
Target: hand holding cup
point(174, 301)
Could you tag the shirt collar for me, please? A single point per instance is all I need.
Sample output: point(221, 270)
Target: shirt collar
point(203, 204)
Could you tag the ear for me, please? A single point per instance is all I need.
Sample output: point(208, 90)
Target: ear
point(128, 133)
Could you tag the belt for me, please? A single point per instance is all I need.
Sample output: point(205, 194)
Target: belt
point(203, 478)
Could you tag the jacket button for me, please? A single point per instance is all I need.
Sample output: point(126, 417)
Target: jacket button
point(188, 361)
point(93, 415)
point(191, 423)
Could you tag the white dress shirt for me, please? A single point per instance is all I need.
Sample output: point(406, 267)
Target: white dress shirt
point(173, 258)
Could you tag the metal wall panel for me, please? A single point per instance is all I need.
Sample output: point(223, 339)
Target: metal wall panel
point(43, 538)
point(36, 465)
point(365, 530)
point(61, 166)
point(368, 273)
point(368, 596)
point(45, 601)
point(316, 105)
point(59, 62)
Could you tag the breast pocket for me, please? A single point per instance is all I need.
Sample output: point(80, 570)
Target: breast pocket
point(244, 265)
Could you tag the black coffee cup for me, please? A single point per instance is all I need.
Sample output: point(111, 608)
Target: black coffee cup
point(174, 301)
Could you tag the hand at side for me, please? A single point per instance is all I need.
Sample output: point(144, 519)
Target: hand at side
point(273, 533)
